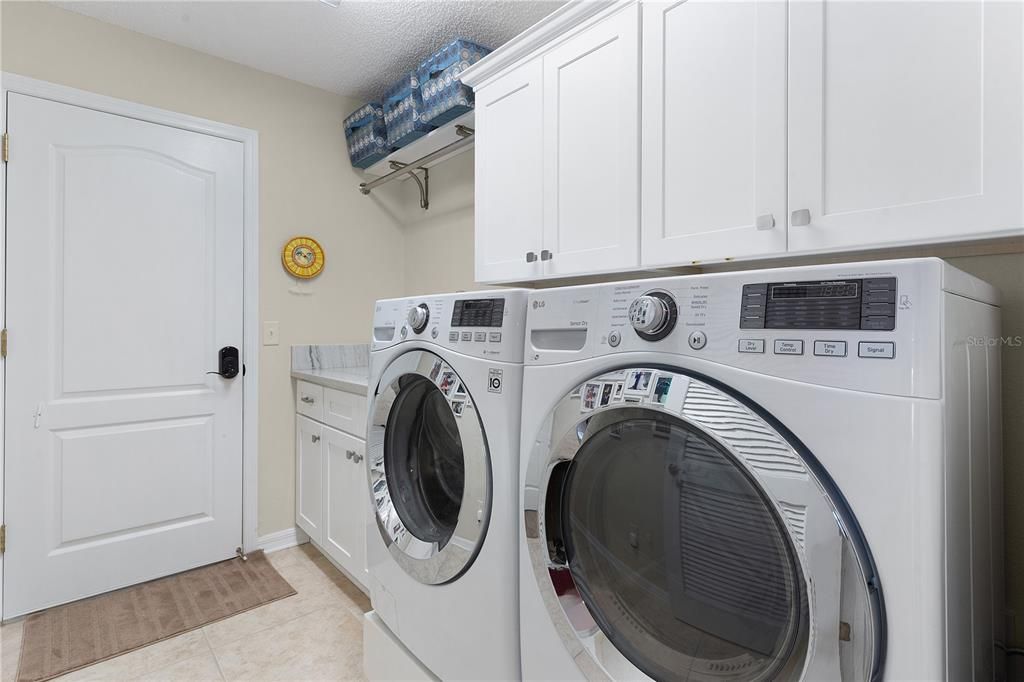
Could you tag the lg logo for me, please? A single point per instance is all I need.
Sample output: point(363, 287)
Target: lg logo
point(537, 304)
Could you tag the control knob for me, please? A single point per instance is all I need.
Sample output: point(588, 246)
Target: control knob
point(653, 315)
point(419, 316)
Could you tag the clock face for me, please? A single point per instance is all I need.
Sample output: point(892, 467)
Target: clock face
point(303, 257)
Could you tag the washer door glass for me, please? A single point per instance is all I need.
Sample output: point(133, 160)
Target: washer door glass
point(423, 460)
point(429, 470)
point(678, 555)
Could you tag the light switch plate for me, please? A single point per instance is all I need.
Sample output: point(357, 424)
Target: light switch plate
point(271, 333)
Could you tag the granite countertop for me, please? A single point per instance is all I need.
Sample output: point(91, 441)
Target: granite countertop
point(344, 368)
point(348, 379)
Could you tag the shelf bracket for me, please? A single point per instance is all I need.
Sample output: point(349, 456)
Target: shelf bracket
point(399, 169)
point(424, 184)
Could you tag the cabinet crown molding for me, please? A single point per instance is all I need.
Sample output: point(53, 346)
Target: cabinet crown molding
point(540, 36)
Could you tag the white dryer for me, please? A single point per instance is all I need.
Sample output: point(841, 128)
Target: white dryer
point(443, 452)
point(774, 474)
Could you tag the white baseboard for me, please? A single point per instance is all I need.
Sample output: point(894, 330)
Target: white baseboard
point(282, 539)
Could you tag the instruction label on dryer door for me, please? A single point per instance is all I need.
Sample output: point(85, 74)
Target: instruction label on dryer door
point(494, 380)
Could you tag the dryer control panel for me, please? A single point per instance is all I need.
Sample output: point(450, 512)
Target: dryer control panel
point(484, 324)
point(873, 326)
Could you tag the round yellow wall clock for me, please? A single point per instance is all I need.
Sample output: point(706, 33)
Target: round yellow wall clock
point(303, 257)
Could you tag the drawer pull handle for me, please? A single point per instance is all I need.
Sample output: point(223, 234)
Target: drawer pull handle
point(308, 399)
point(357, 458)
point(531, 257)
point(349, 454)
point(801, 217)
point(546, 255)
point(316, 439)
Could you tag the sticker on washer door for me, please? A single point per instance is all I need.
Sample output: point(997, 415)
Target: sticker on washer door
point(494, 380)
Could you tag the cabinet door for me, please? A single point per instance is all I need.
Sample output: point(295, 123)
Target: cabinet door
point(591, 148)
point(904, 122)
point(713, 130)
point(344, 494)
point(309, 477)
point(509, 176)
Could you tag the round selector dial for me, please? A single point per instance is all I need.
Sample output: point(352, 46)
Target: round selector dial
point(653, 315)
point(419, 316)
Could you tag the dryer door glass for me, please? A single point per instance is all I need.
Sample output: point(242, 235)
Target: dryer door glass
point(675, 533)
point(428, 468)
point(679, 556)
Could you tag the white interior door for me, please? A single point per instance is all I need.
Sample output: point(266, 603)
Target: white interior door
point(123, 455)
point(714, 130)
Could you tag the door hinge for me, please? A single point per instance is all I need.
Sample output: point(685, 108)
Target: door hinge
point(7, 147)
point(3, 538)
point(3, 343)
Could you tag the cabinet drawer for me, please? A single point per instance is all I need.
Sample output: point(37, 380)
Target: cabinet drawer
point(345, 411)
point(309, 400)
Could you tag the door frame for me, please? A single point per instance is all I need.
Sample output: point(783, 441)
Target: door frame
point(10, 82)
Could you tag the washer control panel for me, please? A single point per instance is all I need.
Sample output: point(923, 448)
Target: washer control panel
point(485, 324)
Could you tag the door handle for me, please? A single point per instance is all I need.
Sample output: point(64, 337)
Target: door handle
point(801, 217)
point(531, 257)
point(765, 222)
point(307, 399)
point(349, 454)
point(316, 438)
point(227, 362)
point(546, 255)
point(356, 457)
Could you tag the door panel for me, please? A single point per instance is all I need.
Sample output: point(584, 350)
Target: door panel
point(592, 155)
point(345, 494)
point(714, 130)
point(509, 177)
point(124, 279)
point(309, 507)
point(917, 138)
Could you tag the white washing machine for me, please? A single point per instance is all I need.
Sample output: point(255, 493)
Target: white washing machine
point(774, 474)
point(443, 452)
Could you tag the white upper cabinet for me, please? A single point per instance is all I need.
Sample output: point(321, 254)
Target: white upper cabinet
point(767, 127)
point(591, 148)
point(509, 176)
point(714, 130)
point(904, 122)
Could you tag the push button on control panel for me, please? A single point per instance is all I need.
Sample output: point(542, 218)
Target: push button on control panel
point(836, 349)
point(614, 338)
point(751, 345)
point(876, 349)
point(467, 336)
point(789, 347)
point(480, 336)
point(494, 337)
point(453, 336)
point(697, 340)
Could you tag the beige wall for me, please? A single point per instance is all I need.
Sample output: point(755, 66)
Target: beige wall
point(306, 187)
point(438, 241)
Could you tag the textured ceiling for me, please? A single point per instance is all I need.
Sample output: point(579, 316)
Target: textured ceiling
point(356, 49)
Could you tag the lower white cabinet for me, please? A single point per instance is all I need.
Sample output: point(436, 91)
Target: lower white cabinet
point(346, 498)
point(309, 489)
point(332, 498)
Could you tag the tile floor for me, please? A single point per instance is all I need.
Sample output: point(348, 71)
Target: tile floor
point(316, 634)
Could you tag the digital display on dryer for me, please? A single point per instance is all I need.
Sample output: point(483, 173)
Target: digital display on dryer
point(478, 312)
